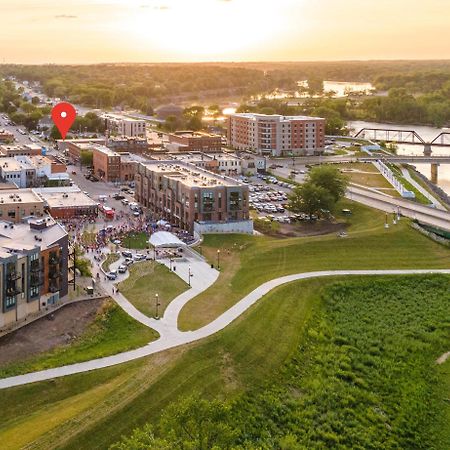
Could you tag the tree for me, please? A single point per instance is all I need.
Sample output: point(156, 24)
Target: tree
point(190, 423)
point(195, 124)
point(331, 179)
point(197, 423)
point(35, 100)
point(315, 85)
point(311, 199)
point(172, 123)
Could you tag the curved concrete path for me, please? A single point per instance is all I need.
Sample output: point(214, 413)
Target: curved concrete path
point(175, 338)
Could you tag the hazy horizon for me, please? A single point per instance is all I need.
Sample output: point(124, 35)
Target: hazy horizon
point(178, 31)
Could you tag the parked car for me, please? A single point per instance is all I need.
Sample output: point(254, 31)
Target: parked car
point(122, 268)
point(139, 257)
point(127, 254)
point(112, 275)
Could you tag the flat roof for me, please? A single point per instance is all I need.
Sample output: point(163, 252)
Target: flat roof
point(104, 149)
point(65, 198)
point(189, 174)
point(121, 117)
point(274, 116)
point(17, 196)
point(17, 239)
point(200, 156)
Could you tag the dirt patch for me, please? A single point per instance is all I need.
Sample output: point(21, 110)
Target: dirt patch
point(443, 358)
point(54, 330)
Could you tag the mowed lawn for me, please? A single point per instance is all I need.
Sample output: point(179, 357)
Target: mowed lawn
point(248, 261)
point(148, 279)
point(135, 241)
point(113, 331)
point(93, 410)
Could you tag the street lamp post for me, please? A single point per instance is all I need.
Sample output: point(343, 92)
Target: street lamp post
point(157, 306)
point(218, 259)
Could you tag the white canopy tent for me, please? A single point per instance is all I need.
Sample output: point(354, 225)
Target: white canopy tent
point(164, 239)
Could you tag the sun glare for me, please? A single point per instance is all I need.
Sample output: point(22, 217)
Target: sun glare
point(205, 29)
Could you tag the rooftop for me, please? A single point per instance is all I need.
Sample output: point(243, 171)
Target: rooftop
point(112, 116)
point(104, 149)
point(14, 196)
point(64, 197)
point(11, 164)
point(189, 174)
point(274, 116)
point(20, 238)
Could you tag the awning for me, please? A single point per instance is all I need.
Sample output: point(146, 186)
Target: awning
point(165, 239)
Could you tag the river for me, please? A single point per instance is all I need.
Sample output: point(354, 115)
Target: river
point(427, 134)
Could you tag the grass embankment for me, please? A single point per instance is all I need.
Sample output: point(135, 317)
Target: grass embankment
point(113, 331)
point(148, 279)
point(365, 374)
point(248, 261)
point(136, 241)
point(94, 410)
point(419, 197)
point(324, 353)
point(111, 258)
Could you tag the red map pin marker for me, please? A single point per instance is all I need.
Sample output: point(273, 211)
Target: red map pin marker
point(63, 115)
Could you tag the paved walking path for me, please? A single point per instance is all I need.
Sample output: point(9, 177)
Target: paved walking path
point(171, 337)
point(422, 190)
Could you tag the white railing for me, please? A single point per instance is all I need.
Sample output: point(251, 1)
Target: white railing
point(390, 176)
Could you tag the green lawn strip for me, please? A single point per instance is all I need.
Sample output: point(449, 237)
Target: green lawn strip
point(138, 241)
point(225, 365)
point(147, 279)
point(113, 331)
point(110, 259)
point(422, 183)
point(419, 197)
point(248, 261)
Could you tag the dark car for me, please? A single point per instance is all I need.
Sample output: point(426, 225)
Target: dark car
point(118, 196)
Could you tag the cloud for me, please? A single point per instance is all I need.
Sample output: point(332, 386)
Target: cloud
point(65, 16)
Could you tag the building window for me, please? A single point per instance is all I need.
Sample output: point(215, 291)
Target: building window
point(207, 201)
point(235, 201)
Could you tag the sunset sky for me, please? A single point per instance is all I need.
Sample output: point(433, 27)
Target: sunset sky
point(86, 31)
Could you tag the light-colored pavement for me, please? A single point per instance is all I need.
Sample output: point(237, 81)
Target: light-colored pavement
point(431, 216)
point(422, 190)
point(176, 338)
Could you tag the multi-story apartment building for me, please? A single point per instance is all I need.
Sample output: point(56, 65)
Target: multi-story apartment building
point(128, 144)
point(276, 135)
point(184, 194)
point(125, 126)
point(33, 268)
point(106, 163)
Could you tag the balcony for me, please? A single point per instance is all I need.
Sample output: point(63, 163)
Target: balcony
point(54, 274)
point(13, 276)
point(12, 291)
point(54, 260)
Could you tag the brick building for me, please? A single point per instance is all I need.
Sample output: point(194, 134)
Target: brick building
point(276, 135)
point(191, 141)
point(184, 194)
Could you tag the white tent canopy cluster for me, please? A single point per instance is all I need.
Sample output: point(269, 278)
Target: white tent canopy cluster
point(164, 239)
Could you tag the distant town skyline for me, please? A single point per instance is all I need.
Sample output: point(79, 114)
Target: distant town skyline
point(95, 31)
